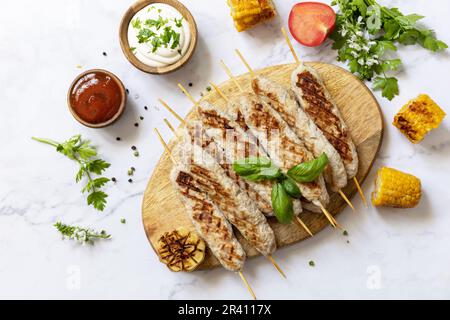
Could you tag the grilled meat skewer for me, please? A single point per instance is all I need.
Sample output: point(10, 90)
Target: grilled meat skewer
point(284, 101)
point(281, 143)
point(237, 144)
point(208, 220)
point(317, 102)
point(236, 206)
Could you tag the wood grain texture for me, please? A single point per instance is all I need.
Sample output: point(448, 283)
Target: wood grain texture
point(123, 36)
point(162, 211)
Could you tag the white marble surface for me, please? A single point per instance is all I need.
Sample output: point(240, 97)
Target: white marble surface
point(391, 254)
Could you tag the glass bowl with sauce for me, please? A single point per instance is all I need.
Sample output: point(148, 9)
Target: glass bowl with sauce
point(96, 98)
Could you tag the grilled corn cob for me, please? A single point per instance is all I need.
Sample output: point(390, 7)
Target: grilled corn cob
point(394, 188)
point(418, 117)
point(247, 13)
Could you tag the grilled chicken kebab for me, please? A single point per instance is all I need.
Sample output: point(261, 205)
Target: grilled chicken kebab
point(236, 206)
point(208, 220)
point(317, 102)
point(280, 142)
point(235, 143)
point(285, 103)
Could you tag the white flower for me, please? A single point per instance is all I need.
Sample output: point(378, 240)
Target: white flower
point(354, 54)
point(361, 61)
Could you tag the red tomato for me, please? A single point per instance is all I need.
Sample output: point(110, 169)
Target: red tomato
point(311, 22)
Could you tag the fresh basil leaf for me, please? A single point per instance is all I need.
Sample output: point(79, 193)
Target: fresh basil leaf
point(309, 171)
point(263, 174)
point(282, 204)
point(250, 165)
point(291, 187)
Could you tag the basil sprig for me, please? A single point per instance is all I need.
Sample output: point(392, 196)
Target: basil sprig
point(291, 187)
point(285, 186)
point(257, 169)
point(308, 171)
point(282, 203)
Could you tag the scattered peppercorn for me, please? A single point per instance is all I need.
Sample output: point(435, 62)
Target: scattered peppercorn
point(133, 148)
point(136, 124)
point(132, 168)
point(136, 153)
point(312, 264)
point(146, 108)
point(113, 179)
point(118, 139)
point(130, 172)
point(123, 221)
point(345, 233)
point(190, 84)
point(208, 88)
point(104, 53)
point(127, 91)
point(130, 180)
point(348, 241)
point(141, 117)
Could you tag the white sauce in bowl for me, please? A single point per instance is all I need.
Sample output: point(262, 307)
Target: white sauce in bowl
point(159, 35)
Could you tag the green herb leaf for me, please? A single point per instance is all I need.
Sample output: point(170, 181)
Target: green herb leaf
point(282, 204)
point(291, 187)
point(393, 64)
point(97, 199)
point(409, 21)
point(308, 171)
point(82, 152)
point(250, 165)
point(82, 235)
point(97, 166)
point(389, 87)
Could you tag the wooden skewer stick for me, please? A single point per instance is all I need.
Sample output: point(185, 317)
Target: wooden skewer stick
point(170, 127)
point(361, 193)
point(231, 75)
point(173, 160)
point(166, 147)
point(216, 88)
point(303, 225)
point(247, 285)
point(172, 111)
point(297, 60)
point(276, 265)
point(252, 73)
point(346, 200)
point(289, 43)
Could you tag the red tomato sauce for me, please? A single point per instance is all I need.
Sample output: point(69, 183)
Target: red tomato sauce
point(96, 97)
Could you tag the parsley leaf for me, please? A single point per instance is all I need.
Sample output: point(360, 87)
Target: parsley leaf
point(82, 152)
point(389, 87)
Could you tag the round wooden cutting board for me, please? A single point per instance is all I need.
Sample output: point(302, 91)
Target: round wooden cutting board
point(162, 211)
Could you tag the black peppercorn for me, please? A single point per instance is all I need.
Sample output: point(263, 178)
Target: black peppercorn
point(118, 139)
point(141, 117)
point(133, 148)
point(113, 179)
point(104, 53)
point(146, 108)
point(136, 124)
point(130, 180)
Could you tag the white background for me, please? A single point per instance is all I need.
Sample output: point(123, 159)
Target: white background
point(391, 254)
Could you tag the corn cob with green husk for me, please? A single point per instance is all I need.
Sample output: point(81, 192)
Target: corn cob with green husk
point(394, 188)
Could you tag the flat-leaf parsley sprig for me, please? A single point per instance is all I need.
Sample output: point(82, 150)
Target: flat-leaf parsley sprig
point(366, 35)
point(82, 152)
point(82, 235)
